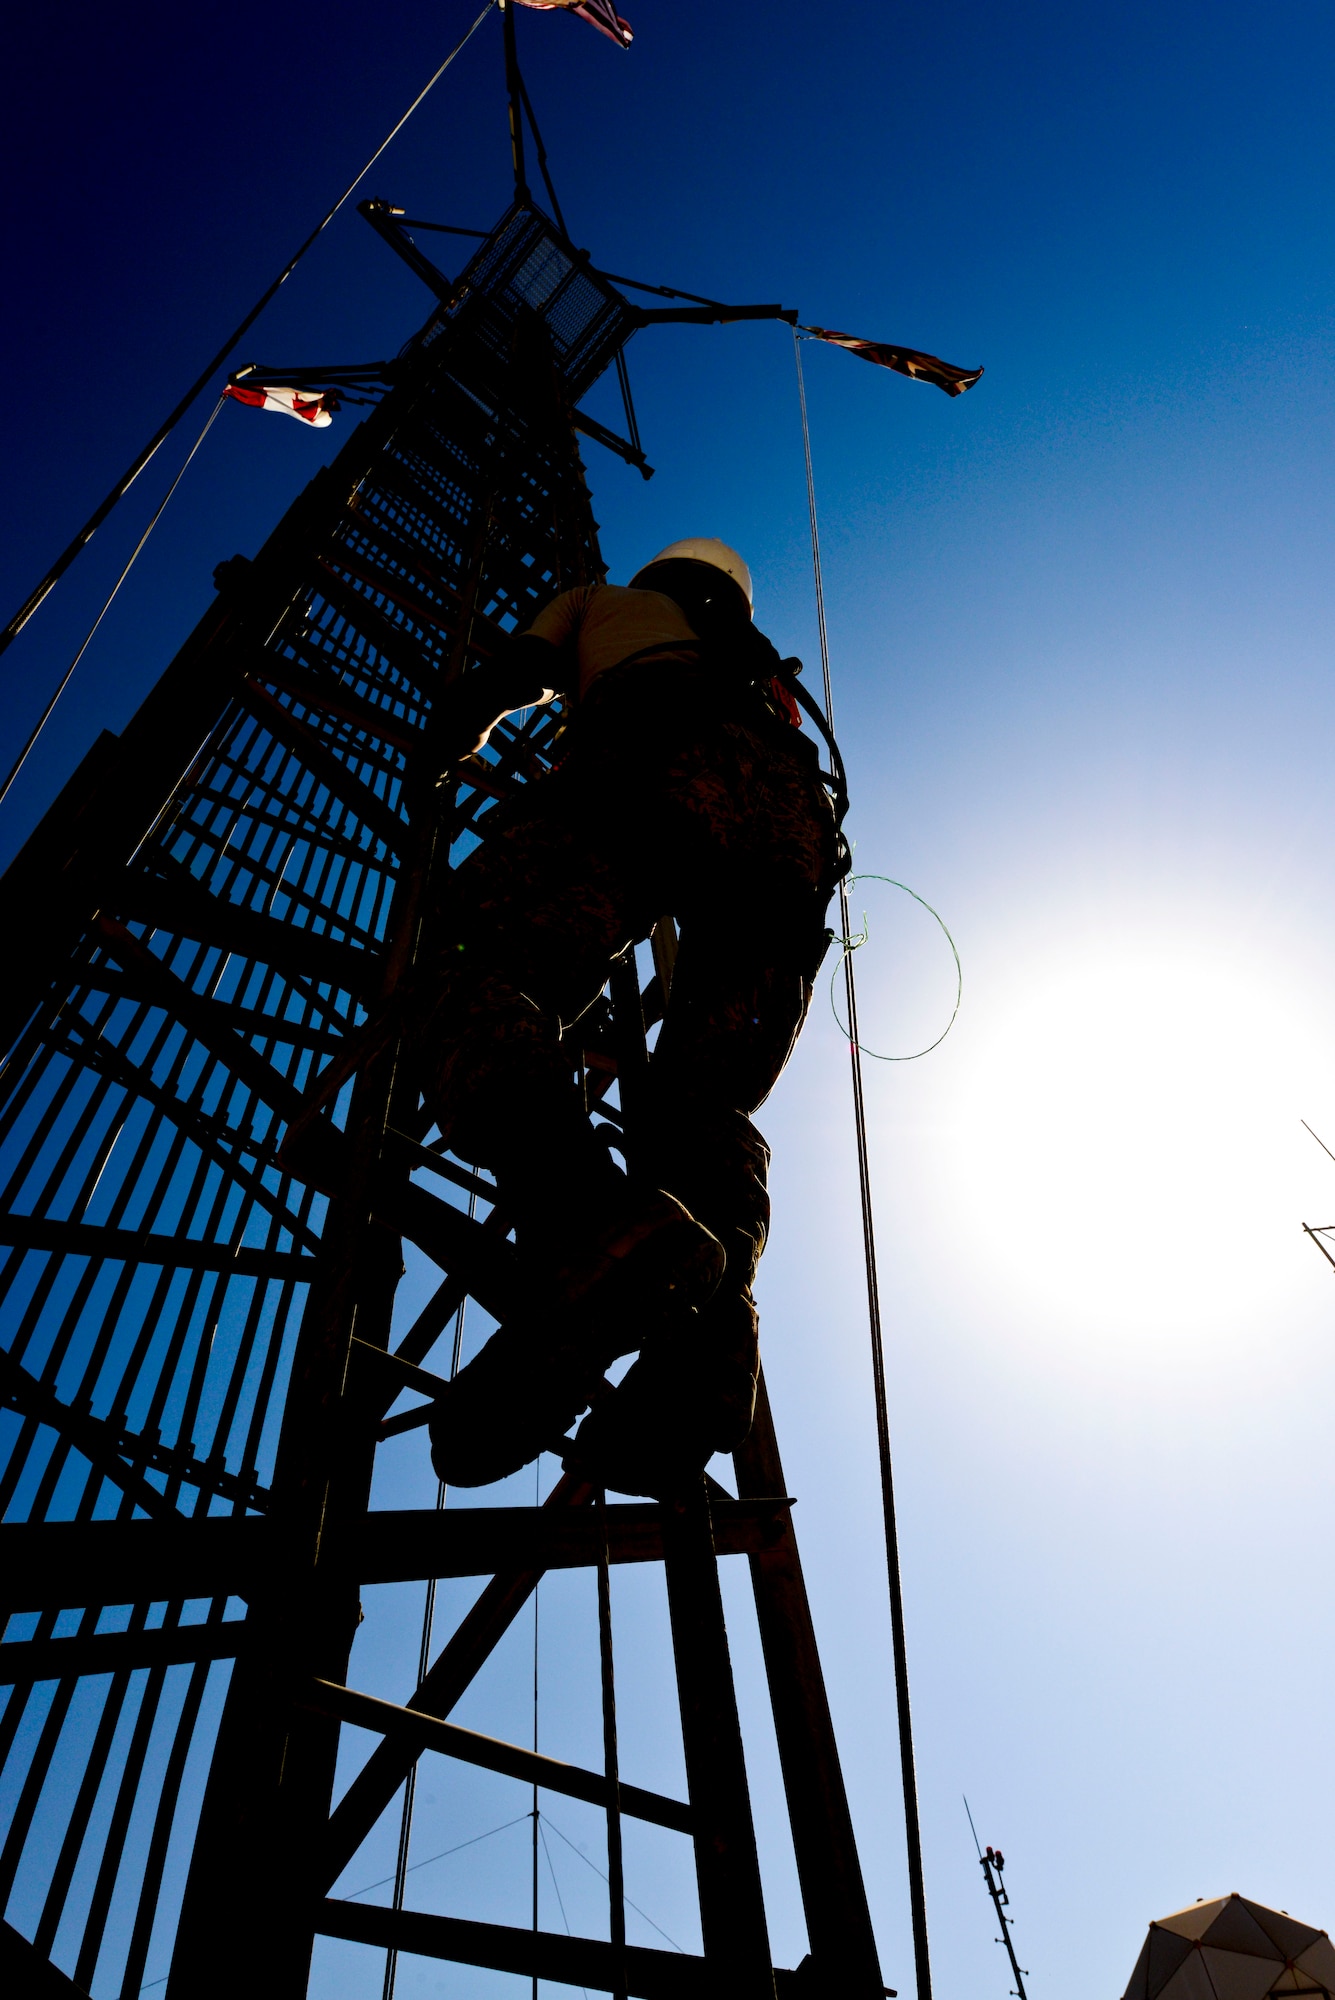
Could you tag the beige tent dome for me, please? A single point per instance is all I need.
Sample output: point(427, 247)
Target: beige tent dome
point(1230, 1949)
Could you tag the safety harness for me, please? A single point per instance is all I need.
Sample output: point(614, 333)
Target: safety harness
point(763, 682)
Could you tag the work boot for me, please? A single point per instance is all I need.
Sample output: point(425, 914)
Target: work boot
point(643, 1258)
point(515, 1398)
point(645, 1269)
point(691, 1393)
point(716, 1161)
point(581, 1227)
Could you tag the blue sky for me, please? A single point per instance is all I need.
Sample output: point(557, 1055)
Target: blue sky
point(1081, 627)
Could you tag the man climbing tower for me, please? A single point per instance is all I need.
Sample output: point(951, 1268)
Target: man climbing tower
point(686, 788)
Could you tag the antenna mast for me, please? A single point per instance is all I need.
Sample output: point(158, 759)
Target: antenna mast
point(992, 1863)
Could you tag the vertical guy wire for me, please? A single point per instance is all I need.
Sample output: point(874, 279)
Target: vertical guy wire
point(616, 1881)
point(536, 1469)
point(423, 1667)
point(410, 1782)
point(912, 1831)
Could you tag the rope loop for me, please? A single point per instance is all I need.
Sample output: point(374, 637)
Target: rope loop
point(855, 942)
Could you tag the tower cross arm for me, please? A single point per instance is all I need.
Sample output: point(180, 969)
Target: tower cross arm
point(385, 220)
point(711, 315)
point(591, 428)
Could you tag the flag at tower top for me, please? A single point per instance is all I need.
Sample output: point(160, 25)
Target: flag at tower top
point(311, 406)
point(600, 14)
point(904, 360)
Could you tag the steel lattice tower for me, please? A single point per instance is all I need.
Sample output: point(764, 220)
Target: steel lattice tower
point(213, 1148)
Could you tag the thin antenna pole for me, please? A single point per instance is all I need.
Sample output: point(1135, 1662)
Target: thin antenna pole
point(541, 151)
point(973, 1829)
point(513, 90)
point(132, 472)
point(912, 1831)
point(990, 1862)
point(999, 1897)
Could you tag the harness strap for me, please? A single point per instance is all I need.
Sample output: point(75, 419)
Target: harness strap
point(835, 777)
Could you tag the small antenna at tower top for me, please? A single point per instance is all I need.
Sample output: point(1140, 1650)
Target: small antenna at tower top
point(513, 88)
point(993, 1862)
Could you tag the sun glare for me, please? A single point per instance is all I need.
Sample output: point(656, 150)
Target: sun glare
point(1124, 1143)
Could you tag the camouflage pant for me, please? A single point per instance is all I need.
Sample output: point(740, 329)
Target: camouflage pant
point(672, 801)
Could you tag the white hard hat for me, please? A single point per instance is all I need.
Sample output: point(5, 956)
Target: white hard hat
point(707, 549)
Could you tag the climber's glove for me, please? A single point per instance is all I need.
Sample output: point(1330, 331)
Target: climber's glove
point(524, 672)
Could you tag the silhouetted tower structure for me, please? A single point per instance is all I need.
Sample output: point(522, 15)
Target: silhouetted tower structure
point(213, 1149)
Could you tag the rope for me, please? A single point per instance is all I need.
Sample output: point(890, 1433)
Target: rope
point(128, 477)
point(852, 944)
point(560, 1899)
point(444, 1855)
point(912, 1830)
point(156, 516)
point(548, 1821)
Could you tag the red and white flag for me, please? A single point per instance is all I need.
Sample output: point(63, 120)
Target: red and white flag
point(599, 14)
point(310, 406)
point(904, 360)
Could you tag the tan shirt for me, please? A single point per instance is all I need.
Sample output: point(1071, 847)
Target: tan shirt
point(603, 624)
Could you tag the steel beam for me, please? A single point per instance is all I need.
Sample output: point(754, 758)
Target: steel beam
point(727, 1867)
point(29, 1974)
point(23, 1661)
point(844, 1958)
point(566, 1961)
point(177, 903)
point(423, 1732)
point(55, 1565)
point(452, 1673)
point(129, 1246)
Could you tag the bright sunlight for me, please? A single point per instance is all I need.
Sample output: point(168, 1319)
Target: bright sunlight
point(1124, 1143)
